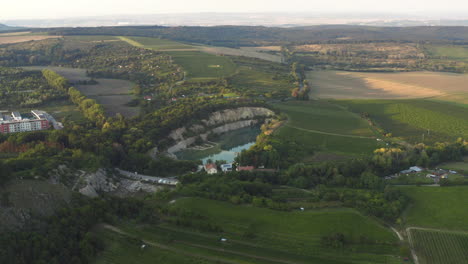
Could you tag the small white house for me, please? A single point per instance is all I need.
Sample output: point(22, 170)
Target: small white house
point(210, 168)
point(226, 167)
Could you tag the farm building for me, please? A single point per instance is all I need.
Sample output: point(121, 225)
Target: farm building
point(226, 167)
point(211, 168)
point(245, 168)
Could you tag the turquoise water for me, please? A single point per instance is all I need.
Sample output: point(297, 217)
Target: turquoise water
point(228, 145)
point(228, 155)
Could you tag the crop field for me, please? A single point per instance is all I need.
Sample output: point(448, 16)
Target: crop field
point(113, 94)
point(415, 120)
point(325, 127)
point(257, 235)
point(439, 247)
point(10, 38)
point(437, 207)
point(241, 52)
point(454, 52)
point(358, 85)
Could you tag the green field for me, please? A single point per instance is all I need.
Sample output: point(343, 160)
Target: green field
point(457, 165)
point(411, 119)
point(437, 207)
point(322, 126)
point(453, 52)
point(119, 249)
point(273, 236)
point(436, 247)
point(198, 65)
point(203, 66)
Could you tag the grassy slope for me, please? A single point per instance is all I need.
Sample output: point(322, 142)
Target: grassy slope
point(278, 237)
point(412, 118)
point(203, 66)
point(119, 249)
point(198, 65)
point(437, 207)
point(321, 116)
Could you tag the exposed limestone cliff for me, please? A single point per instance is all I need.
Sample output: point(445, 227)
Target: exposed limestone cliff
point(218, 123)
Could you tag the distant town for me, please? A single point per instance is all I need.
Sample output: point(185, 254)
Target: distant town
point(36, 120)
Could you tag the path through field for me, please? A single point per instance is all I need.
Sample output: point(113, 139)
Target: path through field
point(183, 252)
point(326, 133)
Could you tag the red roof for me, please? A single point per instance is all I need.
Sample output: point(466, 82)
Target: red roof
point(210, 166)
point(246, 168)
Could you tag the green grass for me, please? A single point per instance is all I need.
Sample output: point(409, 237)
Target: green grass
point(410, 119)
point(60, 109)
point(203, 66)
point(322, 126)
point(456, 165)
point(435, 247)
point(275, 235)
point(437, 207)
point(453, 52)
point(120, 249)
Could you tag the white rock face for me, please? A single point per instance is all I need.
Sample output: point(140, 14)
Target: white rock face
point(219, 122)
point(233, 115)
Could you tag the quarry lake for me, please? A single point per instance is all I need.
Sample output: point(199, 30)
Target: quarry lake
point(224, 147)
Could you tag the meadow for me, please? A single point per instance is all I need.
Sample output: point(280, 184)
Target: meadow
point(119, 249)
point(454, 52)
point(456, 165)
point(437, 207)
point(360, 85)
point(415, 120)
point(258, 235)
point(438, 247)
point(325, 127)
point(203, 66)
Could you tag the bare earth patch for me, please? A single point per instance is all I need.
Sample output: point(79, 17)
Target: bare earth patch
point(9, 39)
point(358, 85)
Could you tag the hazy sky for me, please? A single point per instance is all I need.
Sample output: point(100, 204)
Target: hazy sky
point(24, 9)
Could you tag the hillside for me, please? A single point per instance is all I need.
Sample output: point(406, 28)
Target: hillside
point(235, 36)
point(4, 27)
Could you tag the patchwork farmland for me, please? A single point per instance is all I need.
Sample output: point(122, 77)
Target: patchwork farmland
point(359, 85)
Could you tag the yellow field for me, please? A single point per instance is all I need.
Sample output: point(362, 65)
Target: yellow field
point(358, 85)
point(9, 39)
